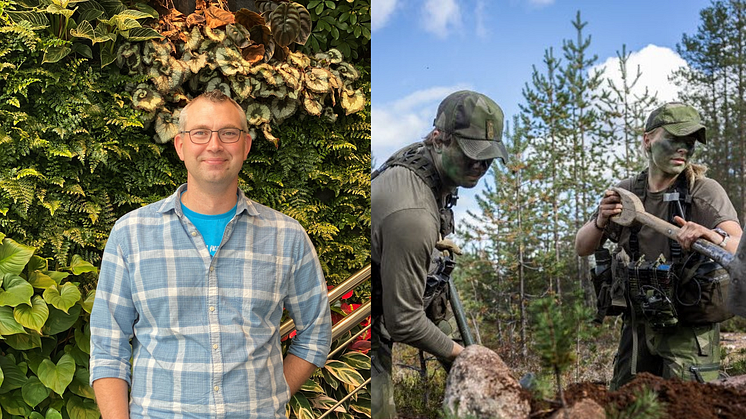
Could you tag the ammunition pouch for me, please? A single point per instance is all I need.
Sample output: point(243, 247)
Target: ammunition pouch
point(702, 299)
point(436, 289)
point(608, 286)
point(651, 291)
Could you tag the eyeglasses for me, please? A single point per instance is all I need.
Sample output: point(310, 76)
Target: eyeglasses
point(202, 135)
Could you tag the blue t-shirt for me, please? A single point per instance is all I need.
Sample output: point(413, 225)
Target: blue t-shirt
point(210, 226)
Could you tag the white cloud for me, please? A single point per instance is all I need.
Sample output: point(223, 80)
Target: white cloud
point(656, 64)
point(480, 12)
point(381, 13)
point(406, 120)
point(540, 3)
point(440, 16)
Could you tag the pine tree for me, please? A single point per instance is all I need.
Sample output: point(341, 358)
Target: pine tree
point(586, 159)
point(715, 83)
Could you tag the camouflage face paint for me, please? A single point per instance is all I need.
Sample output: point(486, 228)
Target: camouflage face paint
point(671, 154)
point(460, 169)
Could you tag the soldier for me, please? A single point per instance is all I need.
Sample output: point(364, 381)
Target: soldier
point(412, 195)
point(668, 329)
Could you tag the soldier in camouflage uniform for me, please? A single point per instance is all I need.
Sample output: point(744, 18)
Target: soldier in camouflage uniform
point(653, 338)
point(412, 195)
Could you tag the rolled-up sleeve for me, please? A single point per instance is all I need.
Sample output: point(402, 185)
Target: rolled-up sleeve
point(308, 305)
point(113, 316)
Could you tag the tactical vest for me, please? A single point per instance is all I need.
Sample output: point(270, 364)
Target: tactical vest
point(414, 158)
point(688, 288)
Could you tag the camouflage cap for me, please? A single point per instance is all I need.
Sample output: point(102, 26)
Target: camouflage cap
point(677, 119)
point(476, 122)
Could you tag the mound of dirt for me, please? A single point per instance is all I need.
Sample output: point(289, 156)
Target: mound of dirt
point(683, 399)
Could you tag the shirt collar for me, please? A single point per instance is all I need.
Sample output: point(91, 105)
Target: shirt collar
point(173, 203)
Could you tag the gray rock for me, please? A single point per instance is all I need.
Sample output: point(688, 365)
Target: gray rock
point(480, 385)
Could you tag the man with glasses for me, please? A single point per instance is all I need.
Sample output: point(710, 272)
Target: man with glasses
point(192, 290)
point(411, 198)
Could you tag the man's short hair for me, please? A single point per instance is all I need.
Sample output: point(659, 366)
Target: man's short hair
point(215, 96)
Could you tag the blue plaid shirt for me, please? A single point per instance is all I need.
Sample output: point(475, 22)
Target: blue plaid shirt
point(205, 331)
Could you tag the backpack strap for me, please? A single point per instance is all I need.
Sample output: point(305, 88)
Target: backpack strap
point(414, 157)
point(679, 200)
point(639, 188)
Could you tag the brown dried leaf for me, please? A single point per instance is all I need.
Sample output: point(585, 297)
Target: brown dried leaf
point(195, 19)
point(267, 131)
point(253, 54)
point(249, 19)
point(281, 53)
point(260, 34)
point(217, 17)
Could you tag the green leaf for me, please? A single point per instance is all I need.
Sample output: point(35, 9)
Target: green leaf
point(32, 316)
point(136, 14)
point(80, 385)
point(84, 50)
point(34, 392)
point(2, 378)
point(54, 54)
point(344, 373)
point(35, 415)
point(37, 279)
point(83, 338)
point(14, 377)
point(90, 15)
point(301, 406)
point(312, 386)
point(147, 10)
point(37, 263)
point(13, 403)
point(57, 10)
point(81, 358)
point(9, 325)
point(62, 297)
point(14, 256)
point(23, 342)
point(57, 275)
point(141, 34)
point(356, 360)
point(78, 266)
point(16, 291)
point(59, 321)
point(84, 30)
point(53, 414)
point(38, 20)
point(57, 377)
point(88, 302)
point(79, 408)
point(324, 403)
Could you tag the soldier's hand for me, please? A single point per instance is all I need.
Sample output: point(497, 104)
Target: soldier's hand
point(448, 244)
point(611, 205)
point(691, 231)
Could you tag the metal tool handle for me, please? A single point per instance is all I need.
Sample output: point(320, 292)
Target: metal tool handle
point(458, 312)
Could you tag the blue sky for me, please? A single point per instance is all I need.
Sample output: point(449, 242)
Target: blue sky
point(425, 49)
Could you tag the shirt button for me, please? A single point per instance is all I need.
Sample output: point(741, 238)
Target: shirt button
point(194, 233)
point(212, 268)
point(215, 346)
point(212, 308)
point(216, 388)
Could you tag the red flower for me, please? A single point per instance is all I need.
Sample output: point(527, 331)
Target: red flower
point(289, 336)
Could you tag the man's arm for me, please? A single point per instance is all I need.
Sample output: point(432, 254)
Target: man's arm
point(405, 258)
point(296, 371)
point(112, 398)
